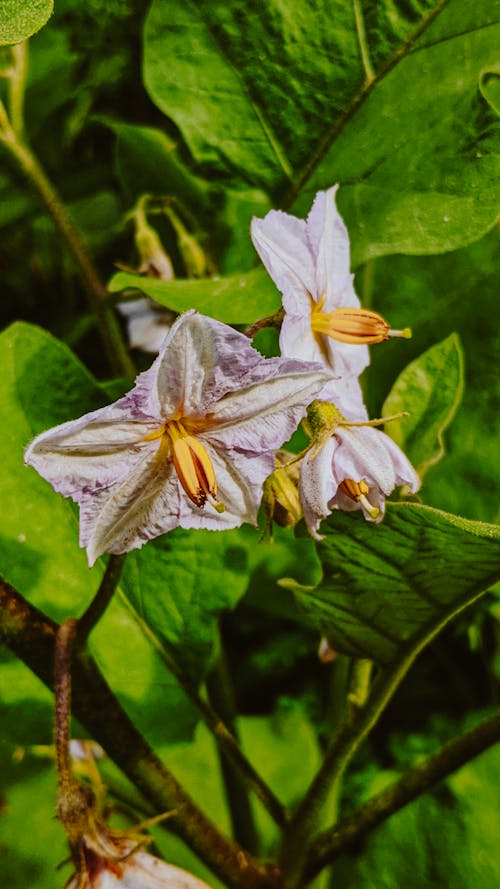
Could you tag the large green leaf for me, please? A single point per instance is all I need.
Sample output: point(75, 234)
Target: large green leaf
point(181, 583)
point(148, 162)
point(389, 588)
point(447, 838)
point(437, 295)
point(19, 19)
point(42, 385)
point(307, 95)
point(234, 299)
point(430, 389)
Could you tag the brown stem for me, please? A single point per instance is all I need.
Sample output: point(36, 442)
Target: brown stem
point(413, 784)
point(31, 636)
point(65, 637)
point(226, 741)
point(102, 598)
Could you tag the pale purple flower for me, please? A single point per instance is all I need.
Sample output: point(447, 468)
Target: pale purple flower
point(190, 445)
point(309, 261)
point(357, 467)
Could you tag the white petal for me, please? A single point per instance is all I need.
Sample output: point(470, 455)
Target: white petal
point(317, 485)
point(144, 871)
point(92, 452)
point(329, 243)
point(280, 241)
point(367, 453)
point(264, 416)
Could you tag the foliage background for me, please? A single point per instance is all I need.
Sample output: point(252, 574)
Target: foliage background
point(230, 109)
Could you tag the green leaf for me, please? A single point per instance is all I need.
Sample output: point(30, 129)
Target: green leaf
point(446, 838)
point(181, 583)
point(235, 299)
point(19, 19)
point(388, 589)
point(437, 295)
point(308, 95)
point(43, 384)
point(148, 162)
point(430, 389)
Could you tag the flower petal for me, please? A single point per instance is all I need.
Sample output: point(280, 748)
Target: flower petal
point(263, 416)
point(328, 241)
point(368, 453)
point(92, 452)
point(317, 485)
point(281, 242)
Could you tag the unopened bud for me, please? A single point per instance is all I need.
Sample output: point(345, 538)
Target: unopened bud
point(194, 258)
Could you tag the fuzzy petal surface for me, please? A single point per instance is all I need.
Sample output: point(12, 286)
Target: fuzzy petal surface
point(207, 382)
point(281, 242)
point(357, 453)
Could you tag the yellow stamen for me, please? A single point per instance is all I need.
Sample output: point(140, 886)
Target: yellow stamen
point(191, 462)
point(192, 465)
point(358, 491)
point(352, 325)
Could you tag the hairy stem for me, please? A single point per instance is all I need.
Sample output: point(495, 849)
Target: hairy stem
point(221, 697)
point(65, 637)
point(411, 785)
point(102, 598)
point(225, 739)
point(31, 636)
point(116, 351)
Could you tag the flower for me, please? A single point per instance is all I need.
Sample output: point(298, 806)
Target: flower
point(190, 445)
point(309, 261)
point(349, 467)
point(107, 858)
point(147, 323)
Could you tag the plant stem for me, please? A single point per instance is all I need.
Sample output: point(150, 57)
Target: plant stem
point(225, 739)
point(350, 734)
point(411, 785)
point(62, 692)
point(31, 636)
point(221, 697)
point(101, 600)
point(109, 328)
point(16, 86)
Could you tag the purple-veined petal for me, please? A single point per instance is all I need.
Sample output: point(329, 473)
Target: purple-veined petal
point(93, 452)
point(262, 417)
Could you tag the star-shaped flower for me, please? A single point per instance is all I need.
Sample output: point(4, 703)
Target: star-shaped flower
point(309, 261)
point(190, 445)
point(349, 467)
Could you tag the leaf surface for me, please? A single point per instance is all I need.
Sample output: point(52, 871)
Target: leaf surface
point(388, 589)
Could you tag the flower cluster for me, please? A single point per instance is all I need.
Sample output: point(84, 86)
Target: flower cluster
point(194, 441)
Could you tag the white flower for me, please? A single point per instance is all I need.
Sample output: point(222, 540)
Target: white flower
point(190, 445)
point(111, 859)
point(147, 323)
point(354, 467)
point(309, 261)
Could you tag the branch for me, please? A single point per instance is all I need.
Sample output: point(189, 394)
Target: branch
point(413, 784)
point(225, 739)
point(31, 636)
